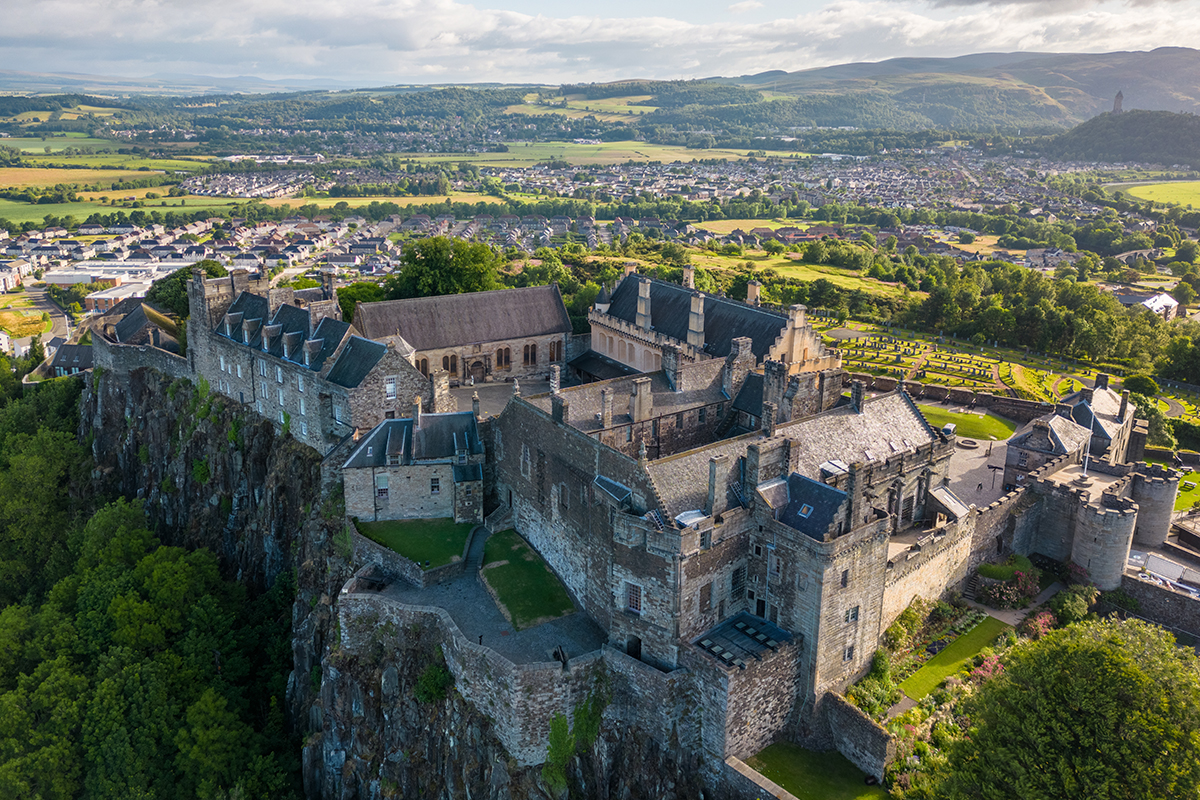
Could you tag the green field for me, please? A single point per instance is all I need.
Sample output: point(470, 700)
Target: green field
point(436, 541)
point(810, 775)
point(791, 268)
point(970, 425)
point(952, 659)
point(118, 161)
point(1187, 498)
point(727, 226)
point(529, 592)
point(1182, 192)
point(36, 212)
point(56, 143)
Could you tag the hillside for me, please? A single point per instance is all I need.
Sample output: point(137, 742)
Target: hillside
point(1007, 88)
point(1158, 136)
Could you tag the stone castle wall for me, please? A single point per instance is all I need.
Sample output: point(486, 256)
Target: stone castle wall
point(937, 563)
point(125, 358)
point(369, 552)
point(1011, 407)
point(856, 736)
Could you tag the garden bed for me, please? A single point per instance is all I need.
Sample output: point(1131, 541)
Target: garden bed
point(952, 657)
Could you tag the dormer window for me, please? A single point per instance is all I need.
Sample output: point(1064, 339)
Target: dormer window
point(805, 511)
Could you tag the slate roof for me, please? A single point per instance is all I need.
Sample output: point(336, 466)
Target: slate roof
point(724, 319)
point(355, 362)
point(750, 398)
point(437, 439)
point(1104, 407)
point(812, 506)
point(1059, 437)
point(600, 366)
point(703, 376)
point(888, 424)
point(429, 323)
point(72, 356)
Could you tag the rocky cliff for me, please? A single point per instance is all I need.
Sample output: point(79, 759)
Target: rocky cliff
point(213, 476)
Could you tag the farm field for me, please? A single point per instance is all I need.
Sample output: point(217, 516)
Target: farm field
point(1182, 192)
point(791, 268)
point(27, 212)
point(21, 177)
point(727, 226)
point(124, 162)
point(608, 109)
point(55, 143)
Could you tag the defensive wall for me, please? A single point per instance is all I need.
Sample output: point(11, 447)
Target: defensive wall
point(368, 552)
point(1011, 407)
point(862, 740)
point(521, 699)
point(1176, 611)
point(123, 359)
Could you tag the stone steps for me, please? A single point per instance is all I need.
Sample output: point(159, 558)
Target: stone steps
point(972, 587)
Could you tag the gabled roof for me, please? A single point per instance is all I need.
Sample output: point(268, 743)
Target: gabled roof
point(73, 356)
point(812, 506)
point(355, 362)
point(1058, 436)
point(724, 319)
point(429, 323)
point(750, 398)
point(439, 438)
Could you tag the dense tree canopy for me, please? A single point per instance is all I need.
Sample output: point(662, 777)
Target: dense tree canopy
point(1104, 710)
point(440, 265)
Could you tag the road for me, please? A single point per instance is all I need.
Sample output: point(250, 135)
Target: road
point(39, 301)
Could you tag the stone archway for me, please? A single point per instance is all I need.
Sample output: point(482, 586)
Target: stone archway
point(477, 371)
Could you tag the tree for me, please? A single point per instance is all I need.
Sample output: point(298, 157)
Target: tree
point(358, 292)
point(1141, 384)
point(170, 293)
point(1184, 294)
point(1107, 709)
point(1187, 251)
point(965, 237)
point(439, 265)
point(1159, 427)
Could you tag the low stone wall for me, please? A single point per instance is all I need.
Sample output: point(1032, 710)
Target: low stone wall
point(1011, 407)
point(520, 698)
point(742, 781)
point(856, 736)
point(125, 358)
point(1160, 605)
point(367, 551)
point(936, 563)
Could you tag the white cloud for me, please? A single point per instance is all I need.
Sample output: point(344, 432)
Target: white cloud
point(373, 42)
point(744, 6)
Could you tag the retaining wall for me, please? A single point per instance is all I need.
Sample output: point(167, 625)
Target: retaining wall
point(367, 551)
point(856, 736)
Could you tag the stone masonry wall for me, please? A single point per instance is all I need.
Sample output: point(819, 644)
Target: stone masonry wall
point(856, 736)
point(762, 699)
point(367, 551)
point(937, 563)
point(125, 358)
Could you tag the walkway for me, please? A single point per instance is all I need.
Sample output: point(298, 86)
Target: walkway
point(476, 615)
point(1015, 616)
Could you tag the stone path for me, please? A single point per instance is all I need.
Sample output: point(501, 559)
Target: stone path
point(1174, 407)
point(476, 615)
point(1015, 616)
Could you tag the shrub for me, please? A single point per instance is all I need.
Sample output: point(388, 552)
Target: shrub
point(200, 472)
point(1038, 625)
point(990, 668)
point(433, 684)
point(1121, 599)
point(1072, 605)
point(562, 747)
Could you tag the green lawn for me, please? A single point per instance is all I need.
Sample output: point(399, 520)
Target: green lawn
point(1186, 499)
point(527, 589)
point(810, 775)
point(952, 659)
point(438, 541)
point(1182, 192)
point(970, 426)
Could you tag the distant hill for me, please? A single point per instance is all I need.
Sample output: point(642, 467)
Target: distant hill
point(158, 84)
point(1006, 89)
point(1158, 136)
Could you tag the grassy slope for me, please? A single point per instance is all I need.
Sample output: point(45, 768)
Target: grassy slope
point(952, 659)
point(970, 426)
point(438, 541)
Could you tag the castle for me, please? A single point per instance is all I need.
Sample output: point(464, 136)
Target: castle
point(734, 521)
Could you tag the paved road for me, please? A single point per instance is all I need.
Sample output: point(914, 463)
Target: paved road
point(41, 302)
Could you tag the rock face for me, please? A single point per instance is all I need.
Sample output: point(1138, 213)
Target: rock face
point(213, 476)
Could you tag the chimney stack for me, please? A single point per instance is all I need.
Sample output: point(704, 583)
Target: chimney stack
point(606, 408)
point(689, 277)
point(1101, 380)
point(857, 392)
point(554, 378)
point(1124, 405)
point(670, 363)
point(475, 404)
point(560, 409)
point(416, 412)
point(641, 402)
point(643, 304)
point(695, 336)
point(754, 293)
point(768, 419)
point(715, 502)
point(1062, 410)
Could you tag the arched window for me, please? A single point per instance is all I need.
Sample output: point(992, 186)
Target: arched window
point(453, 365)
point(530, 354)
point(503, 358)
point(446, 363)
point(423, 365)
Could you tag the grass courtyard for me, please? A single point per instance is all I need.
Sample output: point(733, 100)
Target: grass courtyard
point(952, 659)
point(528, 592)
point(438, 541)
point(970, 425)
point(810, 775)
point(1188, 497)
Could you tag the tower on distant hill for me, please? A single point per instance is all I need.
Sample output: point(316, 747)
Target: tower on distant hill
point(1117, 102)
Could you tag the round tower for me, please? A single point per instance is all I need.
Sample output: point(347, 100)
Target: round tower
point(1154, 490)
point(1101, 544)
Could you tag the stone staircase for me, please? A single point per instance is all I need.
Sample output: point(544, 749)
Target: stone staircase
point(499, 520)
point(479, 538)
point(972, 587)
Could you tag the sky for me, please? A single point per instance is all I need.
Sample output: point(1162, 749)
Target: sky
point(378, 42)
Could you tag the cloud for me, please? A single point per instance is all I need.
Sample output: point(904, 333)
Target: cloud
point(376, 42)
point(744, 6)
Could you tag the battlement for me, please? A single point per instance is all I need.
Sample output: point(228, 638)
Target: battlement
point(645, 335)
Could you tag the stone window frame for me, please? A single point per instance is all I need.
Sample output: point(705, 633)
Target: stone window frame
point(303, 428)
point(704, 598)
point(852, 614)
point(702, 415)
point(737, 583)
point(300, 384)
point(848, 653)
point(435, 485)
point(526, 461)
point(281, 395)
point(389, 387)
point(262, 367)
point(302, 407)
point(278, 374)
point(635, 598)
point(845, 579)
point(381, 486)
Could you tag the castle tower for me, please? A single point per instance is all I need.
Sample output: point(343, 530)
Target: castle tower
point(1117, 102)
point(1154, 490)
